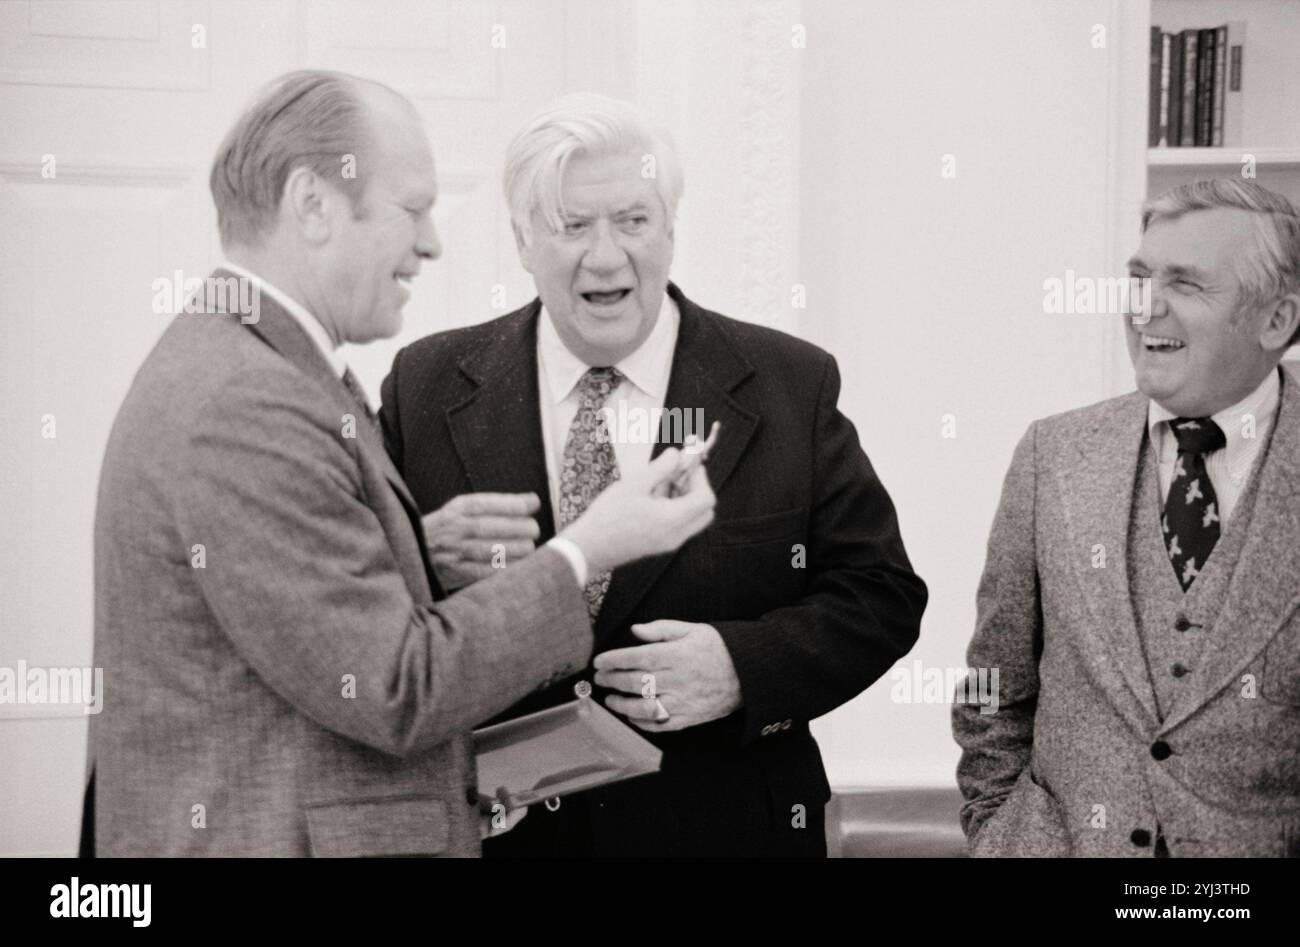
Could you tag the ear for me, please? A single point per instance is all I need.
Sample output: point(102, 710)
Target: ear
point(308, 205)
point(1280, 325)
point(521, 244)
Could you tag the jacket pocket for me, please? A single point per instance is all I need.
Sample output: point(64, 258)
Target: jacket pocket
point(412, 825)
point(1281, 680)
point(755, 529)
point(1029, 822)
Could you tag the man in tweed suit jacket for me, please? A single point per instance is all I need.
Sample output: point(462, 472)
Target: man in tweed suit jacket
point(279, 677)
point(1140, 594)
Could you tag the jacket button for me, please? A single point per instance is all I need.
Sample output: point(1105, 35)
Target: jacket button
point(471, 795)
point(1140, 837)
point(1160, 751)
point(1182, 624)
point(1178, 670)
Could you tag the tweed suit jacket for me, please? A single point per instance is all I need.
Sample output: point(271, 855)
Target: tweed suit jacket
point(1076, 760)
point(278, 678)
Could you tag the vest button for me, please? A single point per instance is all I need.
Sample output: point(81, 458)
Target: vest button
point(1160, 751)
point(1178, 670)
point(471, 795)
point(1182, 624)
point(1140, 837)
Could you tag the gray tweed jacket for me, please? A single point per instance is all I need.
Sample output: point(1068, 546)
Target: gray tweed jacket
point(292, 687)
point(1070, 762)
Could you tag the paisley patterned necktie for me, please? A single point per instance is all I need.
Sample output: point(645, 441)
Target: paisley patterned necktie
point(589, 464)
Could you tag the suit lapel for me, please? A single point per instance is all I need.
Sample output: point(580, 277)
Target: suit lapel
point(1098, 489)
point(706, 369)
point(1258, 599)
point(497, 430)
point(278, 329)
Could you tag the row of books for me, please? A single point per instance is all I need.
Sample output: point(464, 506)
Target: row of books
point(1196, 87)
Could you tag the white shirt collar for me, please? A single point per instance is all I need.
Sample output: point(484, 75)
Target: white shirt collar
point(315, 331)
point(648, 367)
point(1261, 404)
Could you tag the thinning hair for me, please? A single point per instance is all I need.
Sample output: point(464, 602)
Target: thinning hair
point(310, 118)
point(583, 124)
point(1271, 269)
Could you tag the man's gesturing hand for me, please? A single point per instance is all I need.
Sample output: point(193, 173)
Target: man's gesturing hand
point(472, 531)
point(634, 518)
point(685, 669)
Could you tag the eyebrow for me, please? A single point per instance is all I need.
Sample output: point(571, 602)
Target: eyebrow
point(569, 215)
point(1173, 269)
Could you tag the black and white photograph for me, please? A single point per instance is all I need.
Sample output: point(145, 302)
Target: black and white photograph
point(573, 430)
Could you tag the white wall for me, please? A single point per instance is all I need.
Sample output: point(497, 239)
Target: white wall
point(131, 100)
point(817, 165)
point(929, 290)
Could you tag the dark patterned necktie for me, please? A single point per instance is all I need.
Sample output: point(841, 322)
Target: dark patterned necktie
point(589, 464)
point(1191, 519)
point(359, 396)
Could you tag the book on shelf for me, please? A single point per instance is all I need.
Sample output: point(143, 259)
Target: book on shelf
point(1162, 104)
point(1204, 87)
point(1220, 59)
point(1194, 85)
point(1232, 95)
point(1187, 132)
point(1175, 117)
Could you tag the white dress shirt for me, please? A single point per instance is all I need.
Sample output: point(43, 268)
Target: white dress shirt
point(634, 407)
point(1229, 466)
point(315, 331)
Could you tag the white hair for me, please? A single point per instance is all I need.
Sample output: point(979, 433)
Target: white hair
point(582, 124)
point(1272, 268)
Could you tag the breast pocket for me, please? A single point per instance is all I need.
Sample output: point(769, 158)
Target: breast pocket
point(756, 529)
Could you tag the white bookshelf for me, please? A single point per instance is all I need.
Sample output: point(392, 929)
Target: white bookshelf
point(1270, 94)
point(1274, 157)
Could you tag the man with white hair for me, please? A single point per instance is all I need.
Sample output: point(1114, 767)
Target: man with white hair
point(1140, 595)
point(283, 674)
point(797, 598)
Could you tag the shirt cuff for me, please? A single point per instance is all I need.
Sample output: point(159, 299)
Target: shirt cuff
point(570, 551)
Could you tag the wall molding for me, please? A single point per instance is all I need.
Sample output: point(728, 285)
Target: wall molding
point(108, 60)
point(461, 74)
point(769, 169)
point(1126, 143)
point(96, 172)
